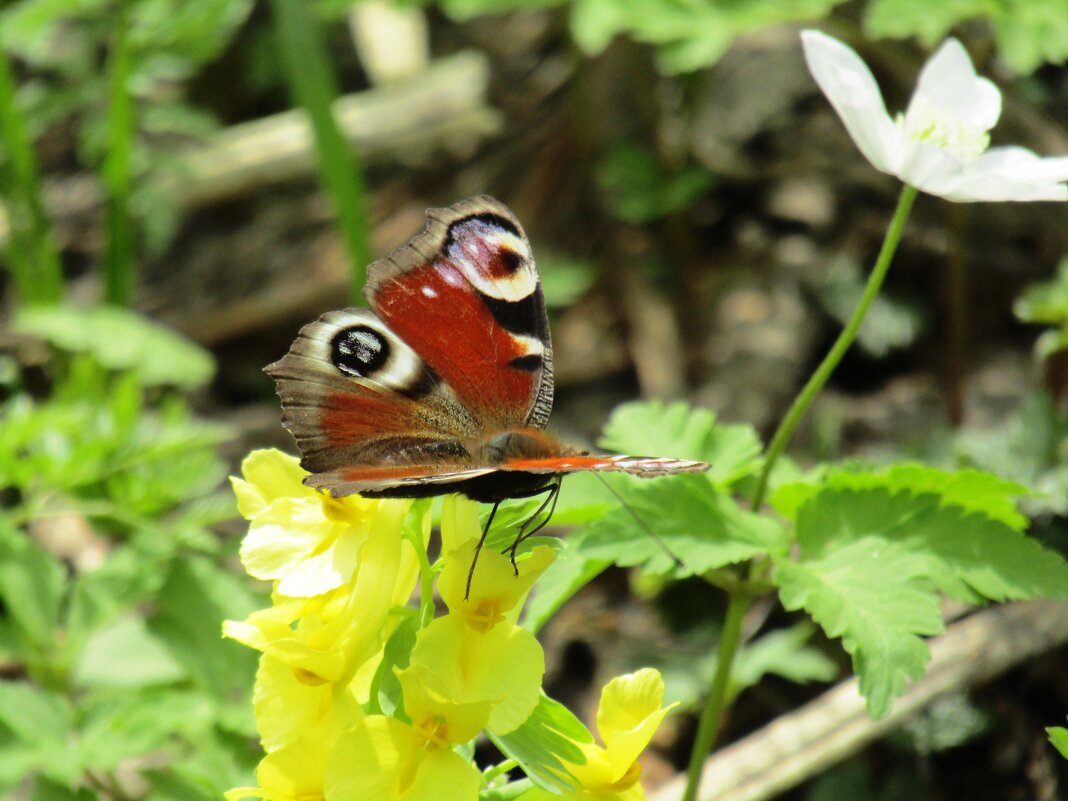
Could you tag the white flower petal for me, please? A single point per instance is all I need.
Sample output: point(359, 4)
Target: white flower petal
point(949, 83)
point(1021, 164)
point(929, 168)
point(848, 83)
point(1010, 173)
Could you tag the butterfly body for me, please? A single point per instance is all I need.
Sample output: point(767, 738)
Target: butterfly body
point(446, 382)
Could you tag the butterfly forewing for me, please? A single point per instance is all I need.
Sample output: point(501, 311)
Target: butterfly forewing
point(465, 295)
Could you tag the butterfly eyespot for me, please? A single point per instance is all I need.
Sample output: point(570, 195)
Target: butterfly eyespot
point(359, 351)
point(511, 261)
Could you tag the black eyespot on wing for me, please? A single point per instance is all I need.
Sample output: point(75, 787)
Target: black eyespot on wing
point(511, 262)
point(359, 351)
point(530, 363)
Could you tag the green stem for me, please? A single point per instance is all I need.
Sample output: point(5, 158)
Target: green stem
point(740, 599)
point(119, 257)
point(32, 254)
point(712, 715)
point(307, 67)
point(815, 384)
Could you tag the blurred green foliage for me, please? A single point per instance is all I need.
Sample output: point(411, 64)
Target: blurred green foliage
point(113, 581)
point(689, 36)
point(64, 46)
point(1046, 303)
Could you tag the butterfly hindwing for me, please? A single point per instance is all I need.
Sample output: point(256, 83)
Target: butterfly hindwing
point(465, 295)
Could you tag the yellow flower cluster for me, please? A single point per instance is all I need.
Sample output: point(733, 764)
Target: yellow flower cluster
point(343, 571)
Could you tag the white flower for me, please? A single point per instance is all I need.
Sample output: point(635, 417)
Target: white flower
point(939, 145)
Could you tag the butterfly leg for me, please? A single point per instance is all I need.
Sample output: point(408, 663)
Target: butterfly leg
point(554, 494)
point(478, 549)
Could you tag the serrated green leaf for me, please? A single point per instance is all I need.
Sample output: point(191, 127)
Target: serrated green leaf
point(970, 490)
point(967, 556)
point(1059, 737)
point(121, 340)
point(874, 595)
point(105, 661)
point(703, 528)
point(544, 743)
point(651, 428)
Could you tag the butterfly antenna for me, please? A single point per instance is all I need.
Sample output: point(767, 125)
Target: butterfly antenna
point(478, 549)
point(554, 493)
point(642, 524)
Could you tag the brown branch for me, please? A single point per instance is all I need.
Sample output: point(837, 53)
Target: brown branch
point(804, 743)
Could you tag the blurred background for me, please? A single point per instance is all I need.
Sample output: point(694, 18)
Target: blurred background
point(702, 224)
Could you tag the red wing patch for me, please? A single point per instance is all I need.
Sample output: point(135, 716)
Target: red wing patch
point(465, 296)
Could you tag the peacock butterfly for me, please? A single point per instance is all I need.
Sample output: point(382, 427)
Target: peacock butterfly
point(446, 382)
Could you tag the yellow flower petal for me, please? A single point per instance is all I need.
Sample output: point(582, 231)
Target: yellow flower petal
point(386, 760)
point(268, 475)
point(435, 714)
point(627, 717)
point(496, 591)
point(504, 665)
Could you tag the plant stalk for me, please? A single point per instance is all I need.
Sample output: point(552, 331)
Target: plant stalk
point(306, 63)
point(740, 600)
point(845, 339)
point(119, 256)
point(32, 255)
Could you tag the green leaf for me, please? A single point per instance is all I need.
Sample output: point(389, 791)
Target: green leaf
point(466, 9)
point(192, 604)
point(135, 723)
point(544, 743)
point(121, 340)
point(31, 586)
point(703, 528)
point(105, 661)
point(1029, 33)
point(639, 190)
point(1045, 302)
point(874, 595)
point(564, 280)
point(49, 790)
point(967, 556)
point(1059, 737)
point(688, 36)
point(785, 653)
point(386, 697)
point(41, 726)
point(1031, 448)
point(650, 428)
point(970, 490)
